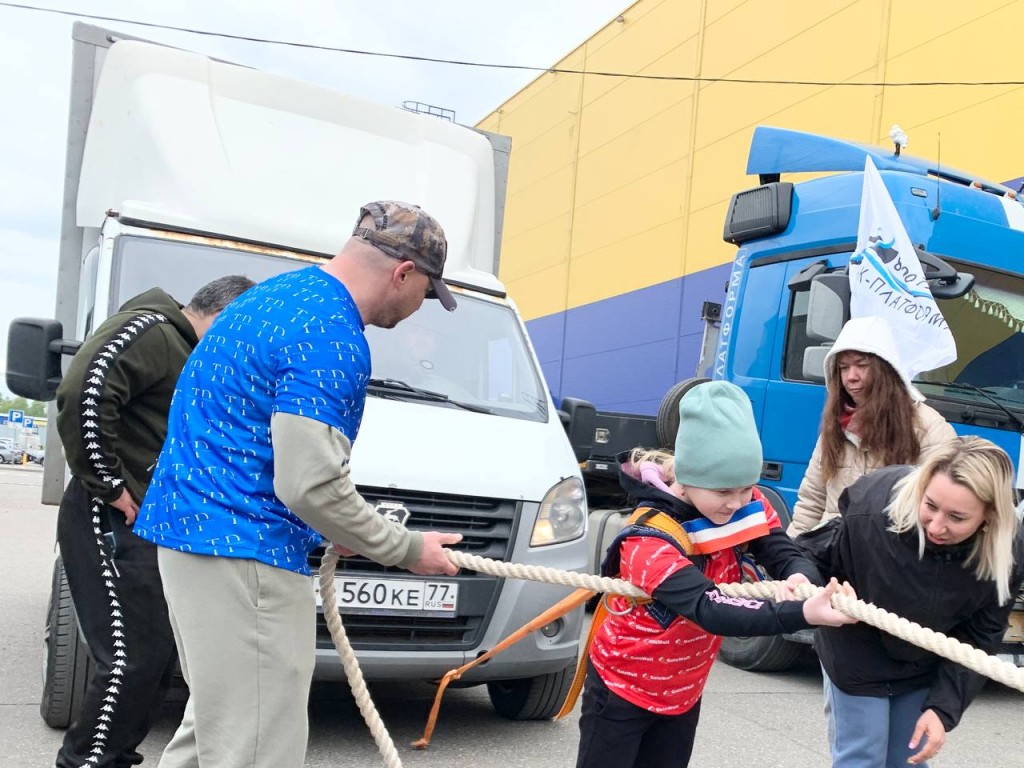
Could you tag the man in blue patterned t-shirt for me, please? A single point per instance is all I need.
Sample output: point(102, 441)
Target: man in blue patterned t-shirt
point(255, 469)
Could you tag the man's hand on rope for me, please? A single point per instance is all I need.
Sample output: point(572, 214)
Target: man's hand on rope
point(930, 727)
point(818, 610)
point(433, 559)
point(341, 551)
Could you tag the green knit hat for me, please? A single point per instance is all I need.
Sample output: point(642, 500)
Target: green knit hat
point(717, 445)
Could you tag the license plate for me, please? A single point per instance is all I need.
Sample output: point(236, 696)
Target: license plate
point(394, 597)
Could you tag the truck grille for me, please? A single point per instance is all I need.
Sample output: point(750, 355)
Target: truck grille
point(488, 528)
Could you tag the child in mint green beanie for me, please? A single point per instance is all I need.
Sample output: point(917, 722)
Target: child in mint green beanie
point(649, 662)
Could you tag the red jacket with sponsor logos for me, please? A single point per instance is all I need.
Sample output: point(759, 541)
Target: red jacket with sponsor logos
point(658, 656)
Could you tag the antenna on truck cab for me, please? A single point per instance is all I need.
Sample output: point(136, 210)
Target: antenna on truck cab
point(938, 179)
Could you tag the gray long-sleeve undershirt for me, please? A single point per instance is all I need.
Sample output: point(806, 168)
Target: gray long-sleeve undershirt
point(312, 478)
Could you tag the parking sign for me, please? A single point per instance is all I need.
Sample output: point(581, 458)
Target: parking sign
point(27, 422)
point(15, 417)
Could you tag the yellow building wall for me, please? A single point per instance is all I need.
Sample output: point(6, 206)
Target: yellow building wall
point(618, 183)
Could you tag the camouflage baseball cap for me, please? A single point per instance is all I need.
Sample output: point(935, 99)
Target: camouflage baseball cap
point(408, 233)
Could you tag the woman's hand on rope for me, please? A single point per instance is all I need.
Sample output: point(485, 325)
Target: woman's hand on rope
point(341, 551)
point(929, 727)
point(818, 610)
point(786, 590)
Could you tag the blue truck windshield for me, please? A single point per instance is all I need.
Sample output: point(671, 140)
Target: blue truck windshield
point(988, 325)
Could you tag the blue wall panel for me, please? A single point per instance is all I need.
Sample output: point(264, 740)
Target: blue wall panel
point(547, 335)
point(625, 352)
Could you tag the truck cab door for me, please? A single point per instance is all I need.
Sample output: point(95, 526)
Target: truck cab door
point(792, 402)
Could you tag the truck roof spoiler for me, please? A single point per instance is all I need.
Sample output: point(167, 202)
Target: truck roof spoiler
point(774, 151)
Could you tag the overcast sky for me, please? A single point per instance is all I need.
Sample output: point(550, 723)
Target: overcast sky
point(35, 62)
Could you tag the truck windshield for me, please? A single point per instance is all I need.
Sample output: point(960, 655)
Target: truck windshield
point(477, 355)
point(180, 267)
point(988, 325)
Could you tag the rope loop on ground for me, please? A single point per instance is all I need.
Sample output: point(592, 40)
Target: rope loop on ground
point(378, 730)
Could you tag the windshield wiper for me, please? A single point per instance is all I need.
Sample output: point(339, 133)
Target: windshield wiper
point(979, 391)
point(395, 386)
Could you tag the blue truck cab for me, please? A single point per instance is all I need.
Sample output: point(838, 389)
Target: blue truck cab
point(785, 303)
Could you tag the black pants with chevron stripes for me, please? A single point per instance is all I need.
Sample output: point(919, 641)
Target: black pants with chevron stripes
point(119, 600)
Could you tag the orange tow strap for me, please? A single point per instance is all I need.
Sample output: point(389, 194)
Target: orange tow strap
point(652, 518)
point(559, 609)
point(581, 667)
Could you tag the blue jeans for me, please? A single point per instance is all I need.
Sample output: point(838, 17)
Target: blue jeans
point(871, 731)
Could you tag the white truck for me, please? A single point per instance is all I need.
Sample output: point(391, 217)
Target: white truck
point(181, 169)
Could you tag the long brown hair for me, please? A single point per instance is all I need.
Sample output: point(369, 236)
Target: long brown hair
point(885, 422)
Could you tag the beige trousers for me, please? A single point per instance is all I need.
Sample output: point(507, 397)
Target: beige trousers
point(246, 637)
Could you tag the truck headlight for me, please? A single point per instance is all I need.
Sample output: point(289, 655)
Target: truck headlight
point(562, 515)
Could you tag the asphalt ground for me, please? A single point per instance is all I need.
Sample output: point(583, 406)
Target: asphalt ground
point(768, 721)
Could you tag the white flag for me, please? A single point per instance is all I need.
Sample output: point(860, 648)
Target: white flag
point(886, 280)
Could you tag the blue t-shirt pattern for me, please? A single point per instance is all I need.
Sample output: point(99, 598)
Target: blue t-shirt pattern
point(295, 344)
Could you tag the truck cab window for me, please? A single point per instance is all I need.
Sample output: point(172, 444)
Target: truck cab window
point(988, 325)
point(482, 360)
point(140, 263)
point(87, 293)
point(796, 336)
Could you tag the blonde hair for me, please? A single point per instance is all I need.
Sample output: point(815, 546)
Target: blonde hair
point(664, 459)
point(985, 470)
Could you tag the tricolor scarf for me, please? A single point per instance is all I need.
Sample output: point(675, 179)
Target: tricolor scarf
point(749, 522)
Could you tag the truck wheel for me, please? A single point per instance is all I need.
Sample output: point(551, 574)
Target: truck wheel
point(667, 422)
point(67, 666)
point(531, 698)
point(760, 654)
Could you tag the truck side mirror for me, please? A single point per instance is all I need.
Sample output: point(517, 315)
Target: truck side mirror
point(943, 280)
point(34, 350)
point(828, 306)
point(814, 363)
point(580, 426)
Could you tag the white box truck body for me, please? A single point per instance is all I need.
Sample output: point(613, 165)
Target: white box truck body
point(181, 169)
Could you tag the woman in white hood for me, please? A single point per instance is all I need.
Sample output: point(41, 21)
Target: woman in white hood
point(874, 417)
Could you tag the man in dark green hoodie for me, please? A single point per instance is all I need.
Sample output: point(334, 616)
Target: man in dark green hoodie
point(112, 417)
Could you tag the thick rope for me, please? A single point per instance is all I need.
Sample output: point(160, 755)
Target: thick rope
point(1001, 671)
point(348, 659)
point(990, 666)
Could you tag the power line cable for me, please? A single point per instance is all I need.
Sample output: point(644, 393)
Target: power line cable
point(519, 67)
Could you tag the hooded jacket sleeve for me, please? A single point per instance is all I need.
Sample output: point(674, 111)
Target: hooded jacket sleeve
point(105, 375)
point(777, 553)
point(690, 594)
point(811, 497)
point(933, 430)
point(955, 686)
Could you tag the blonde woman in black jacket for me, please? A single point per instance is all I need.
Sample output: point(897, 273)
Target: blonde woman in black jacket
point(940, 545)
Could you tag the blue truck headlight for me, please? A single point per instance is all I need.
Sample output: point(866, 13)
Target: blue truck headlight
point(562, 515)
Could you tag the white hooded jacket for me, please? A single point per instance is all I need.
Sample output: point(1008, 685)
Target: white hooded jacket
point(818, 501)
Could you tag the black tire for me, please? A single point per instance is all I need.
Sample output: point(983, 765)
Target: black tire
point(760, 654)
point(67, 666)
point(667, 422)
point(531, 698)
